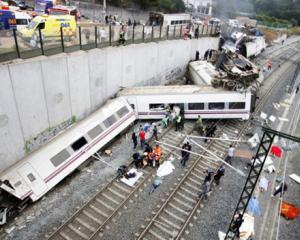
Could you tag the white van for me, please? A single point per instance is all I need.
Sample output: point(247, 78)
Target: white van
point(22, 19)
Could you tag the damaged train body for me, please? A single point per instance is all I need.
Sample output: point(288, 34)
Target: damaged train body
point(224, 69)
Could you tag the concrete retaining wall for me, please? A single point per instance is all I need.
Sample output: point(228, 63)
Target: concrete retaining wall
point(40, 97)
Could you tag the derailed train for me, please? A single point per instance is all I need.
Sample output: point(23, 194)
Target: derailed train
point(33, 176)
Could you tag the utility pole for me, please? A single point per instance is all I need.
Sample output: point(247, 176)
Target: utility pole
point(104, 8)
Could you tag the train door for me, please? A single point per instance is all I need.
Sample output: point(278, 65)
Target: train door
point(133, 103)
point(33, 179)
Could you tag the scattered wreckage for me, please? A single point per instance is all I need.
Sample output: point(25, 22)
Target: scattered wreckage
point(225, 69)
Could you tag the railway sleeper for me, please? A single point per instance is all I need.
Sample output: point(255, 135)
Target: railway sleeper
point(168, 222)
point(92, 217)
point(78, 231)
point(173, 215)
point(193, 180)
point(115, 192)
point(170, 232)
point(122, 187)
point(193, 201)
point(156, 235)
point(65, 236)
point(188, 191)
point(110, 198)
point(105, 204)
point(97, 210)
point(191, 185)
point(85, 223)
point(183, 203)
point(178, 209)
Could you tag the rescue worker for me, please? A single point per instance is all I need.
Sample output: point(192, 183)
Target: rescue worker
point(165, 121)
point(199, 125)
point(157, 154)
point(155, 132)
point(122, 34)
point(177, 122)
point(220, 172)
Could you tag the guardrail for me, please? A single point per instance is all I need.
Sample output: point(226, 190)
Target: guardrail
point(13, 45)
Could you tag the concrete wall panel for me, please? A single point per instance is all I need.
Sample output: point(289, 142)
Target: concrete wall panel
point(151, 63)
point(30, 97)
point(128, 70)
point(78, 71)
point(140, 65)
point(98, 75)
point(114, 70)
point(55, 78)
point(11, 140)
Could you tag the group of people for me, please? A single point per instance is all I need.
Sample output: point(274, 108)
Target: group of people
point(150, 157)
point(208, 132)
point(174, 115)
point(206, 185)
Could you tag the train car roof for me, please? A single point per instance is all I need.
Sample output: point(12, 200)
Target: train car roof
point(172, 89)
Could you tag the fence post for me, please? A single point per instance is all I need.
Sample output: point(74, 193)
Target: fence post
point(96, 37)
point(133, 33)
point(62, 39)
point(143, 33)
point(167, 32)
point(109, 34)
point(206, 30)
point(41, 42)
point(152, 29)
point(212, 26)
point(180, 31)
point(174, 31)
point(80, 41)
point(202, 30)
point(16, 43)
point(160, 27)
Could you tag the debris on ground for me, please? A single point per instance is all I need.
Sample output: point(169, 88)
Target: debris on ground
point(108, 152)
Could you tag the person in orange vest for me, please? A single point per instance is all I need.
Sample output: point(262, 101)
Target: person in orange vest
point(157, 154)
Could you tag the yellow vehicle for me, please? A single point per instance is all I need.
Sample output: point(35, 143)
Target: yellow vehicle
point(50, 27)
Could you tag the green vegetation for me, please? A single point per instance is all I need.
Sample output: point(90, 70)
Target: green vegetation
point(167, 6)
point(272, 21)
point(276, 11)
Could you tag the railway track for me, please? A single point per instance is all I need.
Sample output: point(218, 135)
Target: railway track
point(175, 214)
point(107, 203)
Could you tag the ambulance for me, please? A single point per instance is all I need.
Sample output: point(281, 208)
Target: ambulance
point(50, 27)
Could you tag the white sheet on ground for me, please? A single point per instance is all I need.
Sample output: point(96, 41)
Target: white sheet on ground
point(131, 181)
point(246, 229)
point(165, 169)
point(295, 177)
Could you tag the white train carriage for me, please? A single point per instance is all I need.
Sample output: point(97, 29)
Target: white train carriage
point(209, 102)
point(37, 173)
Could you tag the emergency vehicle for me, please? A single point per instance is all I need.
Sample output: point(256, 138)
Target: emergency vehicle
point(50, 27)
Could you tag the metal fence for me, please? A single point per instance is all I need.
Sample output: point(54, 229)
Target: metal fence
point(13, 45)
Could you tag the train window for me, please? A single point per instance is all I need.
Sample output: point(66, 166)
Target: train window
point(59, 158)
point(196, 106)
point(17, 184)
point(216, 106)
point(237, 105)
point(79, 143)
point(156, 106)
point(122, 112)
point(94, 132)
point(109, 121)
point(172, 22)
point(31, 177)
